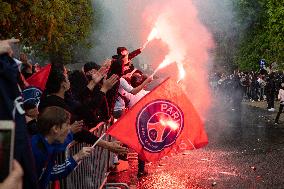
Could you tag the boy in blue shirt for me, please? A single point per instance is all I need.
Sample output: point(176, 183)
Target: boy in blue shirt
point(53, 126)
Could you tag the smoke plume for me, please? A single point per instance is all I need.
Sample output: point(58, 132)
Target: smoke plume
point(128, 23)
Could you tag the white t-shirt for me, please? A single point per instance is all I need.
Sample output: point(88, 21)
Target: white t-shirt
point(135, 98)
point(281, 96)
point(124, 89)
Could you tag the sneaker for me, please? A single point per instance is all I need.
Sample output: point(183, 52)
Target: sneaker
point(276, 123)
point(271, 110)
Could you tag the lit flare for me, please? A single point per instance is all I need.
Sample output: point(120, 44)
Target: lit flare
point(176, 53)
point(153, 34)
point(169, 123)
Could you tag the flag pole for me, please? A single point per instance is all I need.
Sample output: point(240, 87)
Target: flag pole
point(101, 137)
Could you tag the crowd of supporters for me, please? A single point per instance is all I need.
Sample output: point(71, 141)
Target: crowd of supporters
point(72, 103)
point(263, 85)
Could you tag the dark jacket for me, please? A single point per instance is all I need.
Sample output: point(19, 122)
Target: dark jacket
point(133, 54)
point(53, 100)
point(270, 87)
point(10, 109)
point(93, 107)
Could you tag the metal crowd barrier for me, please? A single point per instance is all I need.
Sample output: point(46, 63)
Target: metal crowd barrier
point(91, 172)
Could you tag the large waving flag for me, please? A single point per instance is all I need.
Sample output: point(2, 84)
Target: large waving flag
point(37, 84)
point(39, 79)
point(163, 122)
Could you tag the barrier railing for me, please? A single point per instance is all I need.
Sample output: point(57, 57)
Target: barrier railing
point(91, 172)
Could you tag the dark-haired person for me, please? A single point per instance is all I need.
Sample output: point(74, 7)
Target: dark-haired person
point(123, 52)
point(136, 80)
point(124, 89)
point(56, 87)
point(116, 68)
point(90, 68)
point(53, 126)
point(270, 92)
point(11, 109)
point(91, 94)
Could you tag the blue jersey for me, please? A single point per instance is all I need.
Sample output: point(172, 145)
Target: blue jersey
point(45, 155)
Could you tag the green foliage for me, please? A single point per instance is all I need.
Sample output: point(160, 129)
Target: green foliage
point(276, 29)
point(262, 32)
point(50, 27)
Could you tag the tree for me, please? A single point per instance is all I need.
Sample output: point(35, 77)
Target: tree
point(275, 26)
point(50, 27)
point(262, 33)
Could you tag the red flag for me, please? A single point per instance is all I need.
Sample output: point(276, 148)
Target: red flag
point(161, 123)
point(39, 79)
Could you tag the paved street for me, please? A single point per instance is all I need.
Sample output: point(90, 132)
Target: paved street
point(247, 154)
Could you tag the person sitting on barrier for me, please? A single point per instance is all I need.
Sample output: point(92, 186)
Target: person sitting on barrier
point(55, 95)
point(53, 126)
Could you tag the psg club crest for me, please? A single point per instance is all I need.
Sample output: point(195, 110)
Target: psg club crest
point(158, 125)
point(32, 95)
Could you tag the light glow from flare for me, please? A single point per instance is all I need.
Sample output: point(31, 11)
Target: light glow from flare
point(181, 72)
point(169, 123)
point(153, 35)
point(183, 46)
point(163, 31)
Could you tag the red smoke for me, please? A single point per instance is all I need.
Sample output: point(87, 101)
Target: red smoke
point(184, 34)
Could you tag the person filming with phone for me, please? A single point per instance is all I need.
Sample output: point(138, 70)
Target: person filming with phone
point(14, 180)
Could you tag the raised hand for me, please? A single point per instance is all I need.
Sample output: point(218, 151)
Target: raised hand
point(96, 77)
point(83, 153)
point(5, 45)
point(117, 148)
point(109, 83)
point(150, 78)
point(77, 126)
point(106, 63)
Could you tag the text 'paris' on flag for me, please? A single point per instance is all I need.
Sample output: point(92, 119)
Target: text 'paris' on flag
point(163, 122)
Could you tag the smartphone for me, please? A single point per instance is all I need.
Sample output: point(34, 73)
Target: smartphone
point(7, 136)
